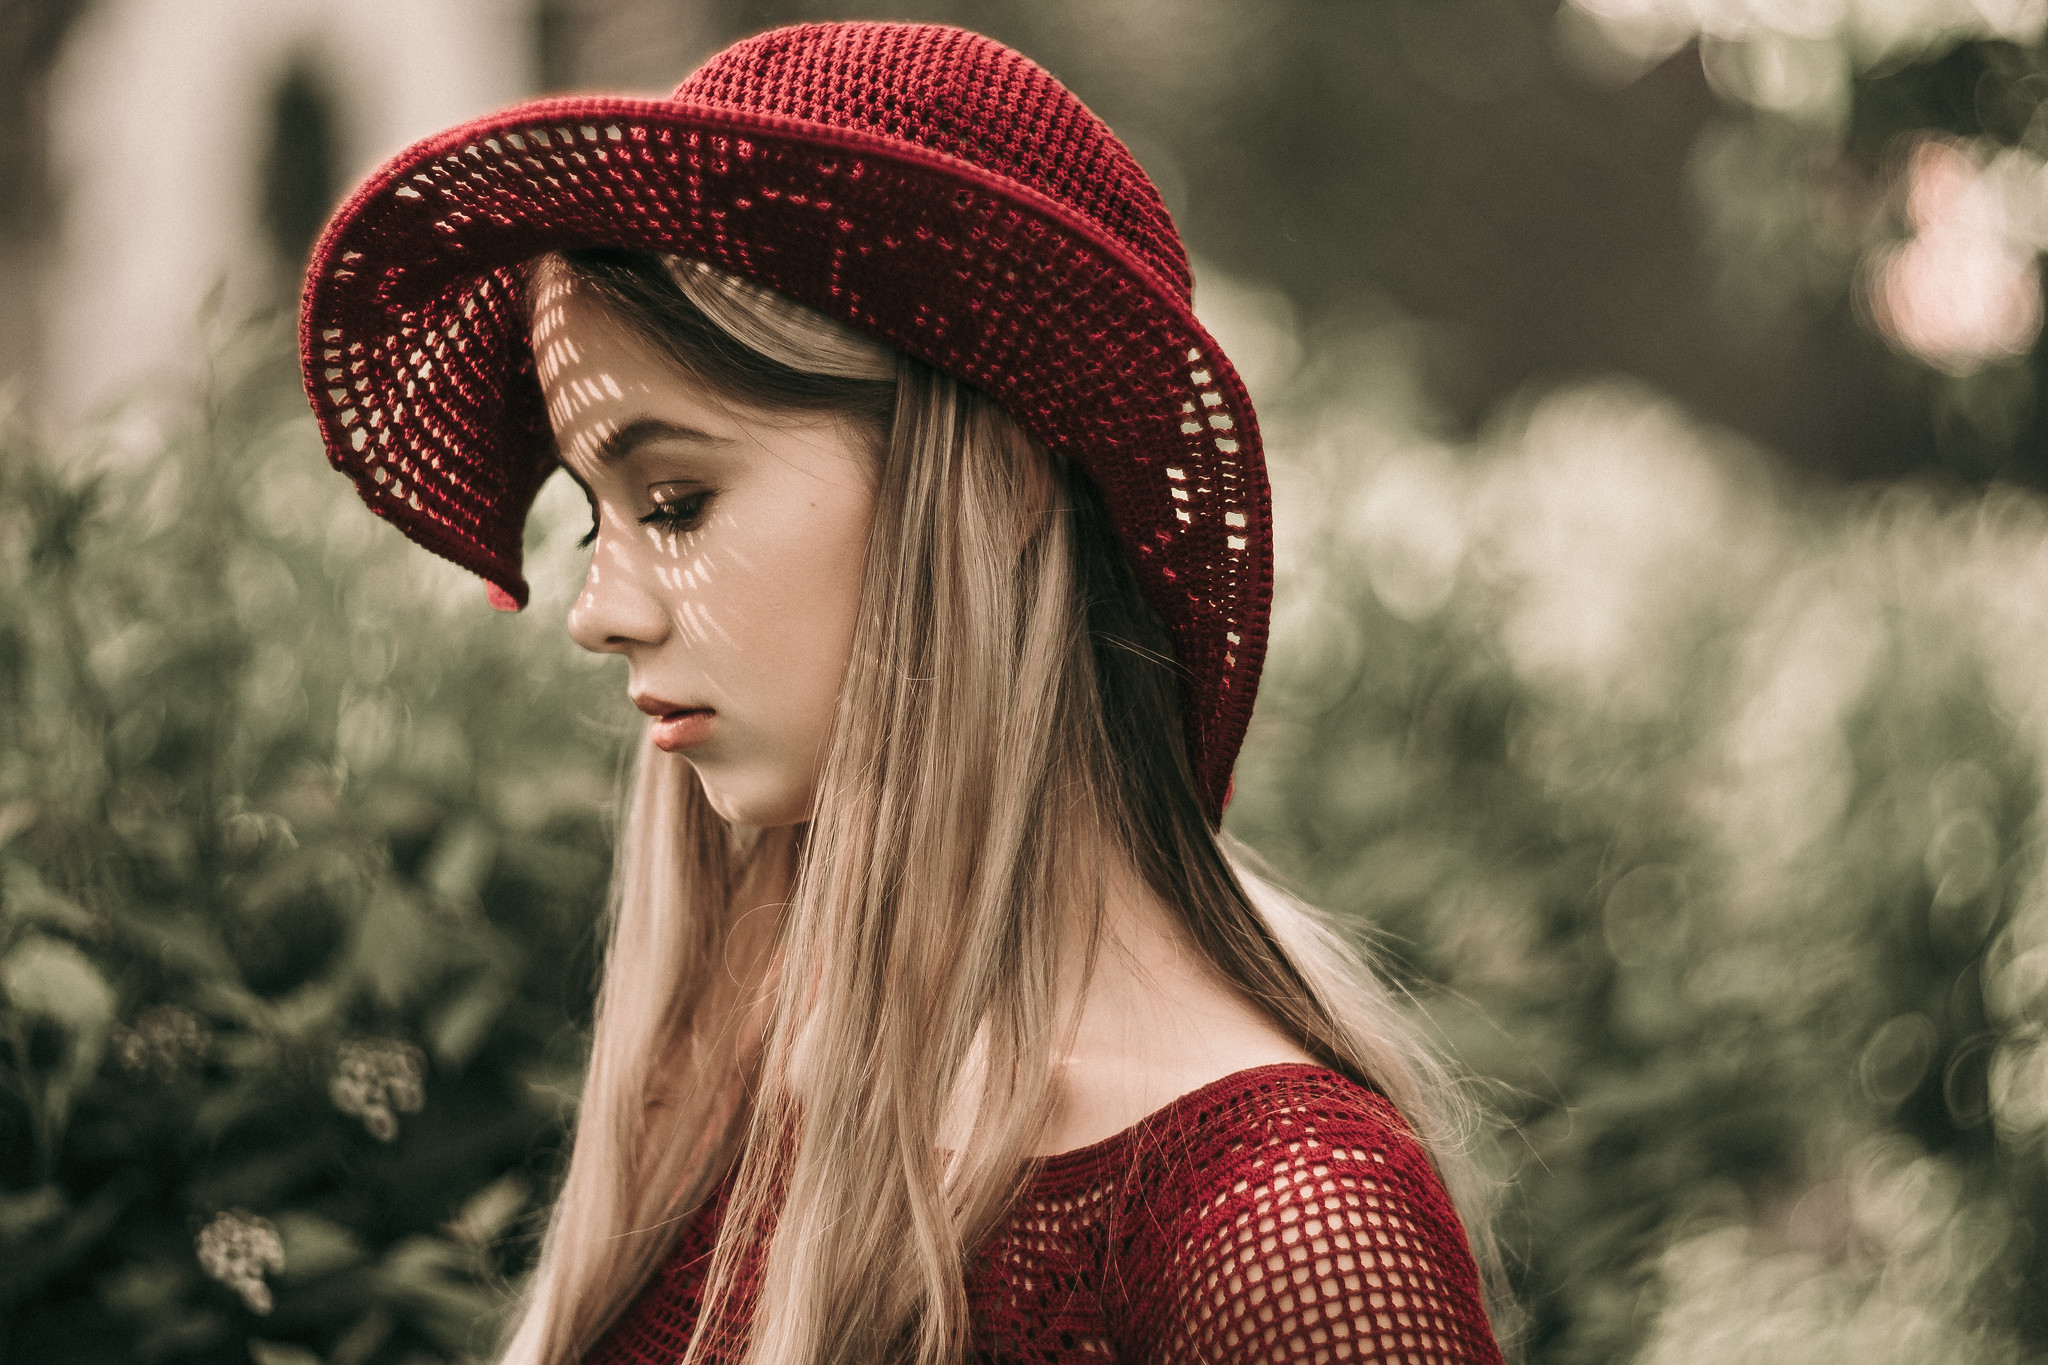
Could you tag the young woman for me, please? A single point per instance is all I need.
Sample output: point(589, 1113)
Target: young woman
point(939, 1021)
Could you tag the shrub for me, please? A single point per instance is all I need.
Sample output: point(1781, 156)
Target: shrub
point(300, 853)
point(1703, 814)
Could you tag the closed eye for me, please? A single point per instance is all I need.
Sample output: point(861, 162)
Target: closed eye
point(681, 514)
point(678, 514)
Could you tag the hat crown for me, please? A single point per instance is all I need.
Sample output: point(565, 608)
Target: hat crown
point(950, 91)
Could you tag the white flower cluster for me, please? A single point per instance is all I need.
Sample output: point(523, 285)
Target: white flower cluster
point(376, 1080)
point(239, 1249)
point(163, 1040)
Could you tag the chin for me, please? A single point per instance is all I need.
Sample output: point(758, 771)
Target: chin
point(757, 803)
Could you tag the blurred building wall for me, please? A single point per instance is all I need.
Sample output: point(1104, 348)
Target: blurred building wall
point(161, 120)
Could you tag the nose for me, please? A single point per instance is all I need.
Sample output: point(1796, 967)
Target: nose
point(614, 613)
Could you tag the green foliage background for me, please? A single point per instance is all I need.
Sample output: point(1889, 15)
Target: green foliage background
point(1703, 817)
point(273, 790)
point(1699, 812)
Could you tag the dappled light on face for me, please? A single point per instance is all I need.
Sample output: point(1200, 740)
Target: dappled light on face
point(685, 572)
point(557, 358)
point(645, 579)
point(726, 552)
point(698, 626)
point(644, 583)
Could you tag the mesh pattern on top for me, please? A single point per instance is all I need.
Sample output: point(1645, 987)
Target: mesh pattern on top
point(927, 185)
point(1282, 1214)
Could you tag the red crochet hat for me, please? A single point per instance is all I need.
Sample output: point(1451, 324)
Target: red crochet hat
point(926, 185)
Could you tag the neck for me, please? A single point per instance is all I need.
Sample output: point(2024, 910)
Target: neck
point(1152, 1018)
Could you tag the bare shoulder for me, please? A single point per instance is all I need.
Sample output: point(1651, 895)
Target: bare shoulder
point(1148, 1038)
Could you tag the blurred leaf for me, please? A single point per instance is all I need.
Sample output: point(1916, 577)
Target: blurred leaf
point(222, 1109)
point(147, 1289)
point(26, 901)
point(183, 1334)
point(393, 949)
point(489, 1211)
point(460, 861)
point(63, 1242)
point(49, 978)
point(183, 943)
point(435, 1279)
point(459, 1027)
point(265, 1178)
point(314, 1009)
point(280, 1353)
point(15, 817)
point(314, 1246)
point(361, 1341)
point(22, 1215)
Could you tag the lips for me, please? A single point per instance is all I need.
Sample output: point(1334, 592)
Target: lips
point(677, 726)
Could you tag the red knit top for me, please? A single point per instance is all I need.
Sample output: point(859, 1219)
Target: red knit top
point(1279, 1214)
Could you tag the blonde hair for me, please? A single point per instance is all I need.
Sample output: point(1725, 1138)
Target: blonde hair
point(1008, 726)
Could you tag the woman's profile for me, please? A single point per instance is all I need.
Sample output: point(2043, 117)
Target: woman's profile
point(939, 1021)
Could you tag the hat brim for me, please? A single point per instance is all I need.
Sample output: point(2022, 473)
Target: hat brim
point(414, 339)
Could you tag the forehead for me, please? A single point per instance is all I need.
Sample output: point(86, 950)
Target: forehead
point(575, 329)
point(589, 348)
point(566, 319)
point(602, 377)
point(599, 378)
point(610, 392)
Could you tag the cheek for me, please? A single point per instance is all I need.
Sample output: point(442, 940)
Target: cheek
point(797, 631)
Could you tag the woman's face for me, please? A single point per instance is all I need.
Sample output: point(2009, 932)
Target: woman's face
point(728, 555)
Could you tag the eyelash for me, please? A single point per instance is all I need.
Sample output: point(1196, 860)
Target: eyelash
point(680, 515)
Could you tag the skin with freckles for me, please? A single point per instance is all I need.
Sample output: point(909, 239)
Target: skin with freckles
point(729, 551)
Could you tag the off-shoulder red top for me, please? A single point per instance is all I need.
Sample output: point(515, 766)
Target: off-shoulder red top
point(1279, 1214)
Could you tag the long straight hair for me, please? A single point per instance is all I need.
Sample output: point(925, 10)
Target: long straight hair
point(1009, 725)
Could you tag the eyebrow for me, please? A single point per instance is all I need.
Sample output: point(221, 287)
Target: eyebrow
point(645, 430)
